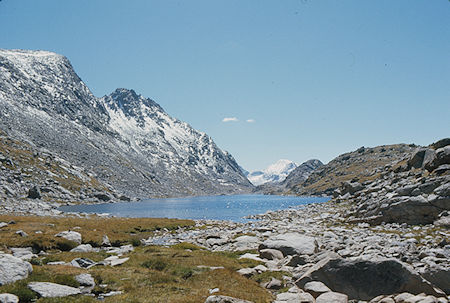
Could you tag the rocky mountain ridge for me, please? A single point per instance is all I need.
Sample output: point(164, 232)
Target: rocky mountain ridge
point(125, 141)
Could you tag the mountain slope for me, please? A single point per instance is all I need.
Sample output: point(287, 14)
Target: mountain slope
point(274, 173)
point(124, 139)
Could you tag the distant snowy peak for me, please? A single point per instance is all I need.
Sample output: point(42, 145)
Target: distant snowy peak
point(274, 173)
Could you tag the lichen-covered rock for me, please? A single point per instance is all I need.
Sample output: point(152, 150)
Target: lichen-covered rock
point(13, 269)
point(291, 244)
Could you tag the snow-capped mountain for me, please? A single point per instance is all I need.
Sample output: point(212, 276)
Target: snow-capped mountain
point(274, 173)
point(124, 139)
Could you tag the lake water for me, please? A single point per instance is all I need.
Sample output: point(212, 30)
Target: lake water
point(232, 208)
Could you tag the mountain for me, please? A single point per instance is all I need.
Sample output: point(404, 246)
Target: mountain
point(360, 165)
point(274, 173)
point(301, 173)
point(124, 140)
point(296, 176)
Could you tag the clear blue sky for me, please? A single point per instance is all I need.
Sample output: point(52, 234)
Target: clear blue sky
point(318, 77)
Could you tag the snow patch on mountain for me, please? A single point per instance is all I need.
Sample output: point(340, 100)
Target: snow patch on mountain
point(274, 173)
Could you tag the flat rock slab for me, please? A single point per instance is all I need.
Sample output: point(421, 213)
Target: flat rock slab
point(53, 290)
point(8, 298)
point(225, 299)
point(291, 244)
point(13, 269)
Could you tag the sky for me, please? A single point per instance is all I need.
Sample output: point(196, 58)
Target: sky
point(267, 80)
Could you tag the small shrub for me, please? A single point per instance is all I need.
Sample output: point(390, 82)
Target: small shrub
point(136, 242)
point(36, 261)
point(183, 272)
point(65, 245)
point(186, 245)
point(68, 280)
point(21, 290)
point(156, 264)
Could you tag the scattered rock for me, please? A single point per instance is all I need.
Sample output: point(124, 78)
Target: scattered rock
point(34, 193)
point(70, 235)
point(84, 248)
point(271, 254)
point(224, 299)
point(85, 280)
point(83, 263)
point(13, 269)
point(291, 244)
point(53, 290)
point(366, 278)
point(8, 298)
point(332, 297)
point(316, 288)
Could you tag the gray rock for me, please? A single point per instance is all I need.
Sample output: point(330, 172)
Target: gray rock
point(292, 244)
point(441, 157)
point(273, 284)
point(365, 278)
point(421, 157)
point(3, 224)
point(53, 290)
point(70, 235)
point(105, 241)
point(401, 298)
point(34, 193)
point(332, 297)
point(8, 298)
point(85, 280)
point(21, 233)
point(270, 254)
point(316, 288)
point(439, 276)
point(83, 263)
point(295, 298)
point(13, 269)
point(84, 248)
point(246, 272)
point(225, 299)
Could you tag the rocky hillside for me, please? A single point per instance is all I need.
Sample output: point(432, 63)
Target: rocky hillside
point(362, 165)
point(415, 190)
point(124, 141)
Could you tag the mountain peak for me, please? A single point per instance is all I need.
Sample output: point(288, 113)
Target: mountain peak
point(274, 173)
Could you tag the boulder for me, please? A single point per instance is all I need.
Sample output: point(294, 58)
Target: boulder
point(8, 298)
point(85, 280)
point(225, 299)
point(271, 254)
point(53, 290)
point(332, 297)
point(34, 193)
point(82, 263)
point(273, 284)
point(316, 288)
point(291, 244)
point(82, 248)
point(246, 243)
point(295, 298)
point(439, 276)
point(363, 278)
point(420, 157)
point(13, 269)
point(105, 241)
point(70, 235)
point(441, 157)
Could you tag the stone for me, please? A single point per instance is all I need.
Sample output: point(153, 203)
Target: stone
point(296, 260)
point(84, 248)
point(271, 254)
point(118, 261)
point(83, 263)
point(316, 288)
point(246, 272)
point(53, 290)
point(24, 253)
point(13, 269)
point(21, 233)
point(3, 224)
point(332, 297)
point(420, 157)
point(363, 278)
point(105, 241)
point(70, 235)
point(85, 280)
point(224, 299)
point(8, 298)
point(295, 298)
point(273, 284)
point(439, 276)
point(34, 193)
point(291, 244)
point(246, 243)
point(401, 298)
point(441, 157)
